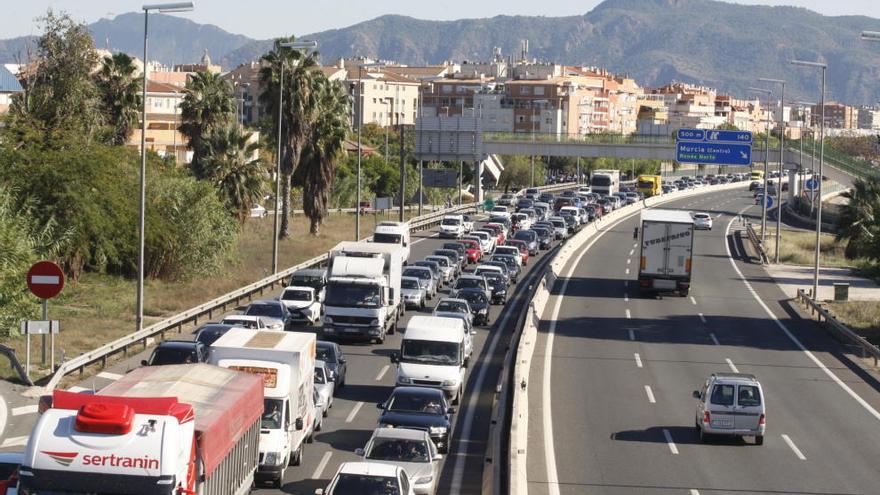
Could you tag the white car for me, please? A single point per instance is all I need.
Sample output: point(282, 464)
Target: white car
point(302, 304)
point(324, 384)
point(452, 226)
point(258, 211)
point(487, 241)
point(702, 221)
point(731, 404)
point(411, 450)
point(368, 477)
point(499, 213)
point(511, 250)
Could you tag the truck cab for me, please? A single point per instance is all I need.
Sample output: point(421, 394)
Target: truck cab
point(433, 354)
point(393, 233)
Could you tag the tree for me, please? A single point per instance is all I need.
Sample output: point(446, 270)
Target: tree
point(517, 172)
point(120, 99)
point(298, 112)
point(207, 106)
point(860, 220)
point(325, 148)
point(63, 97)
point(231, 161)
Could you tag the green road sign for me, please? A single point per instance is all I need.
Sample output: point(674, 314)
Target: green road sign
point(489, 204)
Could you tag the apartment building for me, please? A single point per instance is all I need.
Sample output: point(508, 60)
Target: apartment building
point(869, 118)
point(163, 120)
point(387, 99)
point(837, 116)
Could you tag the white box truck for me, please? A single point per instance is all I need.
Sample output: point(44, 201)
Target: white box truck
point(363, 299)
point(605, 182)
point(286, 363)
point(160, 430)
point(667, 245)
point(388, 232)
point(434, 353)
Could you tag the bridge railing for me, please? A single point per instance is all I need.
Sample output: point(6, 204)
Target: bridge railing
point(838, 330)
point(578, 138)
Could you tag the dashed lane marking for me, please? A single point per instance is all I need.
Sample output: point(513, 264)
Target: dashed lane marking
point(638, 360)
point(18, 411)
point(714, 339)
point(321, 465)
point(732, 366)
point(669, 442)
point(650, 394)
point(800, 455)
point(14, 442)
point(632, 335)
point(702, 318)
point(109, 376)
point(628, 314)
point(382, 373)
point(693, 301)
point(354, 411)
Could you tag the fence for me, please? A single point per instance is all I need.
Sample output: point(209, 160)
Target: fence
point(837, 329)
point(221, 304)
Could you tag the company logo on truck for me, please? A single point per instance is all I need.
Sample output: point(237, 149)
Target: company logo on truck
point(661, 240)
point(112, 460)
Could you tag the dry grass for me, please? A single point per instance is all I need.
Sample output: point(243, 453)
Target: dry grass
point(862, 316)
point(100, 308)
point(799, 248)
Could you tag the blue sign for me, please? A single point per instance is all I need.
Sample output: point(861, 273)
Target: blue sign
point(769, 201)
point(728, 136)
point(713, 153)
point(691, 135)
point(811, 185)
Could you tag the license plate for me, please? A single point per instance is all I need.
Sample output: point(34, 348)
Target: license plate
point(352, 330)
point(722, 423)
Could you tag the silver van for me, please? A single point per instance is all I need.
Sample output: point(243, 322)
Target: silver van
point(731, 404)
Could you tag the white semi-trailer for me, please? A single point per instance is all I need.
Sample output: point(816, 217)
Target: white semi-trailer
point(605, 182)
point(667, 245)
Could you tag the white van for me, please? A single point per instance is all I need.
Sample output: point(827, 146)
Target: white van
point(393, 233)
point(731, 404)
point(452, 226)
point(433, 354)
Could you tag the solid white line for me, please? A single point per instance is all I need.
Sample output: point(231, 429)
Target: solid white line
point(732, 366)
point(382, 372)
point(714, 339)
point(109, 376)
point(628, 314)
point(14, 442)
point(638, 360)
point(473, 397)
point(321, 465)
point(793, 447)
point(862, 402)
point(669, 442)
point(354, 411)
point(702, 318)
point(693, 301)
point(650, 394)
point(627, 271)
point(631, 251)
point(632, 335)
point(18, 411)
point(2, 415)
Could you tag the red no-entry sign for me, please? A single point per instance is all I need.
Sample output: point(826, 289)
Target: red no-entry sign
point(45, 279)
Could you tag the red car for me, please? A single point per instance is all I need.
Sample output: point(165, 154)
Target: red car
point(474, 253)
point(523, 249)
point(499, 232)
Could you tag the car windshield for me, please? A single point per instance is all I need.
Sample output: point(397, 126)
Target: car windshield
point(273, 310)
point(701, 215)
point(353, 295)
point(364, 484)
point(558, 223)
point(525, 235)
point(272, 411)
point(422, 274)
point(450, 221)
point(172, 355)
point(494, 278)
point(454, 247)
point(507, 250)
point(500, 209)
point(416, 403)
point(466, 283)
point(398, 450)
point(483, 271)
point(296, 295)
point(474, 298)
point(451, 306)
point(409, 284)
point(210, 335)
point(308, 281)
point(325, 353)
point(646, 184)
point(601, 181)
point(441, 261)
point(429, 351)
point(387, 238)
point(320, 378)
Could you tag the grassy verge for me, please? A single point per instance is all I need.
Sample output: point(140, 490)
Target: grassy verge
point(100, 308)
point(861, 316)
point(799, 248)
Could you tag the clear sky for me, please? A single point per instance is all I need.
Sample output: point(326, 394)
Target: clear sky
point(269, 18)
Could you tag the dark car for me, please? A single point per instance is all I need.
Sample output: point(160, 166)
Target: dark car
point(458, 247)
point(511, 262)
point(570, 222)
point(332, 355)
point(547, 198)
point(209, 332)
point(479, 304)
point(593, 212)
point(177, 352)
point(531, 239)
point(499, 287)
point(420, 408)
point(545, 236)
point(315, 278)
point(524, 203)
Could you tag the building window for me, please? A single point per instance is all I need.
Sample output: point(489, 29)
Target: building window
point(446, 88)
point(539, 90)
point(520, 119)
point(525, 90)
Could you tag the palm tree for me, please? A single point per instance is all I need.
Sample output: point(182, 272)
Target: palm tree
point(299, 109)
point(120, 99)
point(860, 220)
point(317, 170)
point(231, 160)
point(207, 105)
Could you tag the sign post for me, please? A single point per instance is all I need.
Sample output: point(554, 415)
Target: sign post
point(45, 280)
point(710, 147)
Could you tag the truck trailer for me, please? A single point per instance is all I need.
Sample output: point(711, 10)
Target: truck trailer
point(285, 361)
point(605, 182)
point(667, 245)
point(190, 429)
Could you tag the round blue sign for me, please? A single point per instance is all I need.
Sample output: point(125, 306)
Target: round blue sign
point(811, 185)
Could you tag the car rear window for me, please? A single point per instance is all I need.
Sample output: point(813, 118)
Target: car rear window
point(748, 396)
point(722, 395)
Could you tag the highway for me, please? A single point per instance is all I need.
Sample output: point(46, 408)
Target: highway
point(370, 379)
point(611, 410)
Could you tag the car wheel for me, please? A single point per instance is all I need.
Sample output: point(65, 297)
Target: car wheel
point(392, 329)
point(311, 438)
point(325, 412)
point(297, 457)
point(759, 440)
point(319, 427)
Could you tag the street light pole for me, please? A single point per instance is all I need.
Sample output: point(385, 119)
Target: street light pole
point(824, 67)
point(142, 203)
point(781, 165)
point(766, 161)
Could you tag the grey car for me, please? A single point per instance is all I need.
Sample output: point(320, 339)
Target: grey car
point(530, 238)
point(324, 385)
point(331, 354)
point(273, 312)
point(426, 279)
point(409, 449)
point(435, 270)
point(413, 294)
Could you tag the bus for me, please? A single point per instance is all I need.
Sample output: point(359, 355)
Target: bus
point(757, 175)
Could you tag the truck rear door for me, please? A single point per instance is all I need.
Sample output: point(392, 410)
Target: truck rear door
point(653, 260)
point(678, 249)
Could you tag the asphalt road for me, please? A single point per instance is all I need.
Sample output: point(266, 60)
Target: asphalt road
point(369, 380)
point(615, 413)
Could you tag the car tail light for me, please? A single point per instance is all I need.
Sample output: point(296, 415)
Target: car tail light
point(762, 420)
point(707, 418)
point(644, 282)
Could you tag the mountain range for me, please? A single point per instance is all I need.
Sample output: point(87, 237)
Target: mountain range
point(722, 45)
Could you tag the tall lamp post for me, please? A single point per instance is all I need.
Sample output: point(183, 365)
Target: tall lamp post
point(360, 119)
point(766, 161)
point(803, 106)
point(295, 45)
point(824, 68)
point(165, 8)
point(781, 164)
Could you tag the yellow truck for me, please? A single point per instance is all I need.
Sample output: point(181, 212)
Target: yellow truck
point(649, 185)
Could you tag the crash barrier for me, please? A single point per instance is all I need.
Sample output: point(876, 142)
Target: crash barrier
point(757, 244)
point(838, 330)
point(9, 352)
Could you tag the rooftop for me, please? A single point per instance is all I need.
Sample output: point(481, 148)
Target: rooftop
point(8, 82)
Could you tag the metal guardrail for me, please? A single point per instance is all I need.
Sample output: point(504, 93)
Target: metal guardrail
point(757, 244)
point(9, 352)
point(222, 303)
point(840, 331)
